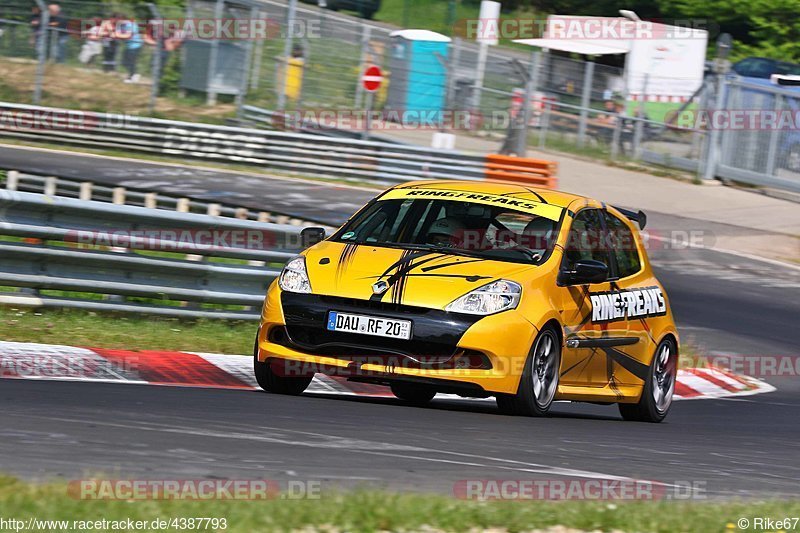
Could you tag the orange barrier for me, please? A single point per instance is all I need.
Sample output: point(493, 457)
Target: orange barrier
point(538, 172)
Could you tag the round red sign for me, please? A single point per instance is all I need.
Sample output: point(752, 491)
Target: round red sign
point(372, 78)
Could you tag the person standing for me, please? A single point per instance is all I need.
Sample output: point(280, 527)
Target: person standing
point(58, 32)
point(108, 38)
point(128, 31)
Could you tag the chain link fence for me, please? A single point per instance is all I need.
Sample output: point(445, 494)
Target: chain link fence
point(573, 105)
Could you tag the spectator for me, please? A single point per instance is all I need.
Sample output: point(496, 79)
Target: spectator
point(128, 31)
point(36, 24)
point(58, 31)
point(93, 45)
point(108, 40)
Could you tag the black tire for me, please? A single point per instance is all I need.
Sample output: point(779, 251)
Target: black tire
point(413, 394)
point(544, 362)
point(658, 388)
point(271, 382)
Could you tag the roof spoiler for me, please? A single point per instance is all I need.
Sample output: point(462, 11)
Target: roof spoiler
point(638, 217)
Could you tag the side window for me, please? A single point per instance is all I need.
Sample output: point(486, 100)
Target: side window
point(623, 245)
point(586, 239)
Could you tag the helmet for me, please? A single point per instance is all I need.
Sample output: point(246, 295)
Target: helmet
point(446, 231)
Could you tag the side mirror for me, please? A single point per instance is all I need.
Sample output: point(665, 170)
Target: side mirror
point(586, 271)
point(311, 235)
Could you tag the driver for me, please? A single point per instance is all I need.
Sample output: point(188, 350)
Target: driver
point(447, 232)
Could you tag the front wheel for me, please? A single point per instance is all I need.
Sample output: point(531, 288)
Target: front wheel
point(413, 394)
point(539, 381)
point(271, 382)
point(659, 386)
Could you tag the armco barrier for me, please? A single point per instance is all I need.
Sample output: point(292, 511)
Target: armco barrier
point(299, 153)
point(95, 255)
point(538, 172)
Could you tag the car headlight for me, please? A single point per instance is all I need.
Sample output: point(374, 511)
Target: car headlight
point(491, 298)
point(294, 277)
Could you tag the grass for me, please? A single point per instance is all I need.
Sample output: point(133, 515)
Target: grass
point(133, 332)
point(375, 510)
point(90, 89)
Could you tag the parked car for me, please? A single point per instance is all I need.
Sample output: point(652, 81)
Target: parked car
point(365, 8)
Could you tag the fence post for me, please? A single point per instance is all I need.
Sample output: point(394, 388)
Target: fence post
point(452, 68)
point(366, 30)
point(287, 51)
point(85, 191)
point(12, 180)
point(211, 94)
point(248, 60)
point(713, 138)
point(586, 101)
point(773, 139)
point(159, 38)
point(50, 185)
point(41, 50)
point(255, 71)
point(525, 112)
point(640, 120)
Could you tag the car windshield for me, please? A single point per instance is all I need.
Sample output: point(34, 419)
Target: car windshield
point(454, 227)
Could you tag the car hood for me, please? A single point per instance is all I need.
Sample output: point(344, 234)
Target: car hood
point(416, 278)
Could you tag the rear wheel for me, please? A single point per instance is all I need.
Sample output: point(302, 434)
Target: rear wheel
point(411, 393)
point(659, 386)
point(539, 381)
point(271, 382)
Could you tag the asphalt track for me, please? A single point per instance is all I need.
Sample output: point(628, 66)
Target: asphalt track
point(723, 303)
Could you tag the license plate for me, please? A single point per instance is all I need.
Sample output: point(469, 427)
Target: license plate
point(369, 325)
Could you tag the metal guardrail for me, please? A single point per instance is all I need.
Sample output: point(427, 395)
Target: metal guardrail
point(64, 252)
point(87, 190)
point(294, 153)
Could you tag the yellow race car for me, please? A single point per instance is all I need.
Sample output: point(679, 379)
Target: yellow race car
point(478, 289)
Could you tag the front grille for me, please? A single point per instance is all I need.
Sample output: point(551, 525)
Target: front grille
point(435, 333)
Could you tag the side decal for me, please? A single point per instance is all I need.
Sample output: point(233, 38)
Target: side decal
point(630, 303)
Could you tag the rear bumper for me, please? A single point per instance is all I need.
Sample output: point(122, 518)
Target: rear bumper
point(294, 337)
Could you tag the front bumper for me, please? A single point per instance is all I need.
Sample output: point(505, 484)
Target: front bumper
point(451, 351)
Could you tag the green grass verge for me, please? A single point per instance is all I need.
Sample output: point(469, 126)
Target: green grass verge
point(96, 330)
point(371, 510)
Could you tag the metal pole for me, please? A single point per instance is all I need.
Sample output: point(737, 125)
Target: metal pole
point(773, 139)
point(159, 38)
point(287, 51)
point(368, 122)
point(246, 66)
point(452, 68)
point(526, 111)
point(255, 72)
point(365, 36)
point(41, 49)
point(211, 95)
point(480, 70)
point(640, 120)
point(586, 101)
point(713, 137)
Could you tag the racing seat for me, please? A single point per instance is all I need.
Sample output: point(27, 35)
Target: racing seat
point(539, 234)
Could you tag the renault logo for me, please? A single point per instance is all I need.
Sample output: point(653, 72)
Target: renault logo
point(379, 287)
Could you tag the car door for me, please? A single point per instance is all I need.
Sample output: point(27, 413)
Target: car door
point(642, 297)
point(591, 322)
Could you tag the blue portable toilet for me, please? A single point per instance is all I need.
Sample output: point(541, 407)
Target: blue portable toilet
point(418, 68)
